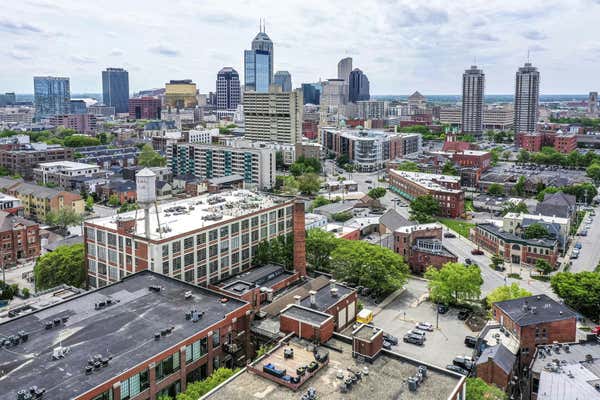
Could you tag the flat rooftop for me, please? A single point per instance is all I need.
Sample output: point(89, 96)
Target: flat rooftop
point(124, 330)
point(535, 309)
point(204, 211)
point(264, 276)
point(307, 315)
point(324, 298)
point(420, 227)
point(365, 332)
point(67, 165)
point(429, 181)
point(387, 378)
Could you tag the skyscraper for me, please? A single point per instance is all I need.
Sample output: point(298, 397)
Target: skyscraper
point(115, 89)
point(527, 94)
point(344, 68)
point(311, 93)
point(52, 96)
point(258, 64)
point(472, 101)
point(593, 104)
point(228, 89)
point(358, 86)
point(283, 79)
point(274, 117)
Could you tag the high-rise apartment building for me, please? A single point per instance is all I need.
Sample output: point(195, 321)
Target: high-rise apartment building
point(358, 86)
point(258, 64)
point(115, 89)
point(52, 96)
point(311, 93)
point(472, 101)
point(333, 93)
point(527, 95)
point(284, 80)
point(274, 117)
point(593, 104)
point(78, 107)
point(180, 94)
point(228, 89)
point(371, 109)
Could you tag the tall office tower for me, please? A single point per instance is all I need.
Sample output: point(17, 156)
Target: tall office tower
point(358, 89)
point(258, 64)
point(527, 95)
point(311, 93)
point(115, 89)
point(274, 117)
point(333, 94)
point(283, 79)
point(52, 96)
point(344, 68)
point(181, 94)
point(472, 101)
point(593, 104)
point(228, 89)
point(78, 107)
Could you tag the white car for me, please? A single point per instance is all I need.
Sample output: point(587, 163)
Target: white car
point(425, 326)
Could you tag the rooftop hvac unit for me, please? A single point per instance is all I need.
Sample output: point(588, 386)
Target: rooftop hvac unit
point(412, 384)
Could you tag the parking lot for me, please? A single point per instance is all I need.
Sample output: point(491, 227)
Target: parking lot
point(442, 345)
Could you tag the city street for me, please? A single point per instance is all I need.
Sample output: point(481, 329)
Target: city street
point(589, 255)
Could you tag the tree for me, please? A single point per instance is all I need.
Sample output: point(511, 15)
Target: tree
point(408, 166)
point(593, 171)
point(543, 266)
point(89, 203)
point(506, 154)
point(150, 158)
point(519, 207)
point(114, 201)
point(342, 216)
point(423, 209)
point(584, 192)
point(523, 156)
point(449, 169)
point(319, 246)
point(377, 192)
point(519, 188)
point(496, 261)
point(496, 189)
point(477, 389)
point(342, 160)
point(309, 183)
point(276, 251)
point(580, 291)
point(80, 141)
point(320, 201)
point(64, 265)
point(369, 265)
point(535, 231)
point(502, 293)
point(279, 160)
point(8, 292)
point(4, 171)
point(454, 282)
point(63, 218)
point(548, 190)
point(196, 390)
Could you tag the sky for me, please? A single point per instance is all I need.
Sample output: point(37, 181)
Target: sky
point(402, 45)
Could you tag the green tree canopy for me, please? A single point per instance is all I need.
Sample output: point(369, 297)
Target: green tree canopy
point(377, 192)
point(408, 166)
point(449, 169)
point(276, 251)
point(309, 183)
point(150, 158)
point(477, 389)
point(496, 189)
point(454, 282)
point(543, 266)
point(66, 264)
point(593, 171)
point(423, 209)
point(63, 218)
point(80, 141)
point(368, 265)
point(342, 216)
point(519, 188)
point(523, 156)
point(305, 165)
point(320, 201)
point(319, 246)
point(89, 203)
point(535, 231)
point(502, 293)
point(113, 200)
point(519, 207)
point(196, 390)
point(580, 291)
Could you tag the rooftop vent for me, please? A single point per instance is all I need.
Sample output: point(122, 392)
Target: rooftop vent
point(188, 294)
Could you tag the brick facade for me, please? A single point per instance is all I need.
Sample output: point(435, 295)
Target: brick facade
point(491, 373)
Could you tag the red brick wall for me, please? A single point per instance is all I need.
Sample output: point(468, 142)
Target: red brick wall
point(306, 331)
point(493, 374)
point(565, 144)
point(420, 261)
point(528, 141)
point(343, 303)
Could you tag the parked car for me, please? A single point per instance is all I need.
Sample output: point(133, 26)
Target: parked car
point(583, 232)
point(477, 252)
point(578, 245)
point(470, 341)
point(465, 362)
point(463, 314)
point(468, 261)
point(387, 345)
point(390, 338)
point(501, 268)
point(413, 339)
point(442, 308)
point(596, 330)
point(574, 255)
point(455, 368)
point(368, 181)
point(418, 332)
point(425, 326)
point(449, 235)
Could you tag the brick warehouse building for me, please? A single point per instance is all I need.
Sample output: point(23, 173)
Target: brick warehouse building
point(536, 320)
point(421, 246)
point(19, 237)
point(445, 189)
point(135, 339)
point(201, 240)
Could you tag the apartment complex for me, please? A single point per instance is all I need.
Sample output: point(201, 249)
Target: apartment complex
point(371, 109)
point(93, 341)
point(82, 123)
point(256, 165)
point(527, 95)
point(62, 173)
point(199, 240)
point(370, 149)
point(52, 96)
point(494, 118)
point(273, 117)
point(144, 108)
point(20, 159)
point(421, 246)
point(19, 239)
point(472, 101)
point(17, 115)
point(445, 189)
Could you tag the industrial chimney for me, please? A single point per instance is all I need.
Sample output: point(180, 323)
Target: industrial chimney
point(146, 194)
point(299, 239)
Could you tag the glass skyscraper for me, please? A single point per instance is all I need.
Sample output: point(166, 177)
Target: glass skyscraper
point(115, 89)
point(258, 64)
point(284, 80)
point(52, 96)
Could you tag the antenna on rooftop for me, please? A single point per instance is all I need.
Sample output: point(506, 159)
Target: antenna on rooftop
point(528, 54)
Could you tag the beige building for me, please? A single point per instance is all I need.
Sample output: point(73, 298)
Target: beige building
point(274, 117)
point(494, 117)
point(181, 94)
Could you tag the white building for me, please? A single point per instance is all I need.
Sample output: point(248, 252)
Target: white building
point(201, 135)
point(274, 116)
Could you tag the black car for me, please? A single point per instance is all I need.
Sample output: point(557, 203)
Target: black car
point(463, 314)
point(442, 308)
point(389, 338)
point(457, 369)
point(500, 268)
point(463, 362)
point(470, 341)
point(449, 235)
point(414, 339)
point(387, 345)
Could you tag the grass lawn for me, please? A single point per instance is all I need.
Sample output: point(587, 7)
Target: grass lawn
point(460, 227)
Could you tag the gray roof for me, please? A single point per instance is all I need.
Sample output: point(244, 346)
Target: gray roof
point(500, 355)
point(393, 220)
point(557, 204)
point(36, 190)
point(535, 310)
point(68, 241)
point(512, 238)
point(225, 179)
point(334, 208)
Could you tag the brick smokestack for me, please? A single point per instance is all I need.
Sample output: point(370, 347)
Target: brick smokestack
point(299, 239)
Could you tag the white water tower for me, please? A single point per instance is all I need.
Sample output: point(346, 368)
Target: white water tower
point(145, 181)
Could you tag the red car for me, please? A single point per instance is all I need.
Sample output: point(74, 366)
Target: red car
point(476, 252)
point(596, 331)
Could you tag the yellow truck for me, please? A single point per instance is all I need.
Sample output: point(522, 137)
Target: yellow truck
point(365, 316)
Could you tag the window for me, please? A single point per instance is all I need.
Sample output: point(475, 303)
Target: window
point(112, 240)
point(128, 243)
point(196, 350)
point(188, 243)
point(176, 247)
point(91, 249)
point(280, 213)
point(165, 267)
point(177, 264)
point(254, 236)
point(235, 258)
point(214, 266)
point(102, 268)
point(254, 221)
point(167, 366)
point(201, 238)
point(102, 253)
point(105, 396)
point(91, 265)
point(113, 273)
point(263, 232)
point(201, 271)
point(216, 338)
point(235, 242)
point(213, 250)
point(225, 262)
point(224, 246)
point(263, 219)
point(235, 228)
point(224, 231)
point(245, 238)
point(189, 275)
point(201, 254)
point(100, 237)
point(212, 235)
point(134, 385)
point(272, 216)
point(112, 256)
point(90, 233)
point(188, 259)
point(272, 229)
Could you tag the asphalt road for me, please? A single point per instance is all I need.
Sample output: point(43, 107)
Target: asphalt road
point(589, 255)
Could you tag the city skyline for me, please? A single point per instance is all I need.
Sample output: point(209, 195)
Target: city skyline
point(420, 47)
